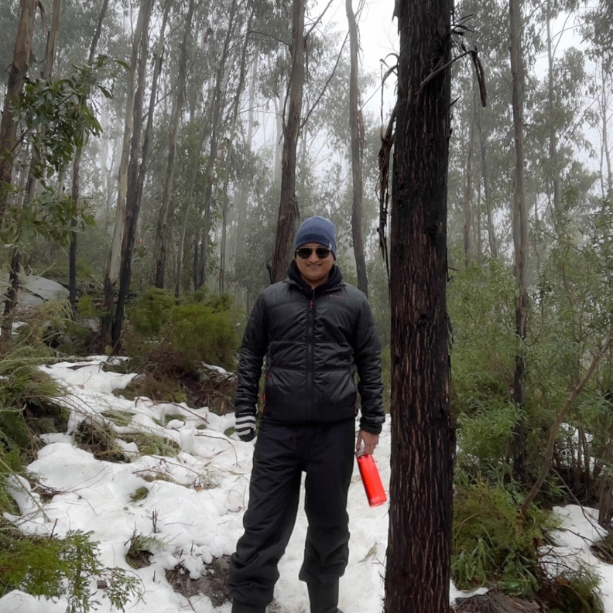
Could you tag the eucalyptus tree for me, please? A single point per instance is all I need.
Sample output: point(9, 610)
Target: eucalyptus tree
point(112, 271)
point(356, 127)
point(76, 167)
point(17, 72)
point(423, 440)
point(520, 232)
point(32, 183)
point(137, 168)
point(288, 206)
point(218, 104)
point(229, 149)
point(490, 144)
point(161, 236)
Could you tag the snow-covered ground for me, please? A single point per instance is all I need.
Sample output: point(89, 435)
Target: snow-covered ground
point(195, 504)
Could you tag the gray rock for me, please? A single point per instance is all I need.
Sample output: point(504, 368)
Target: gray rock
point(35, 290)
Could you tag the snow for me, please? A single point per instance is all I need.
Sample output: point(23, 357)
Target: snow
point(195, 504)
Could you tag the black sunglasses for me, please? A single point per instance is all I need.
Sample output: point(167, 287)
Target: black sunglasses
point(305, 252)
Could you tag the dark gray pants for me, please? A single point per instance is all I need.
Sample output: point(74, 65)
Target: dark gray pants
point(325, 452)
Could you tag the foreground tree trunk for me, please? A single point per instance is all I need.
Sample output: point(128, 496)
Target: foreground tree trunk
point(356, 127)
point(423, 438)
point(17, 72)
point(520, 238)
point(288, 206)
point(49, 60)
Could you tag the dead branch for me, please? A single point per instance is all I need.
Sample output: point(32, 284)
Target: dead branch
point(558, 422)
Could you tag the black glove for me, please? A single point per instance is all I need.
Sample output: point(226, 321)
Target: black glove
point(245, 427)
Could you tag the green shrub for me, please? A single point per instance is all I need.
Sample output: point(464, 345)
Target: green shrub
point(50, 567)
point(573, 591)
point(27, 401)
point(202, 334)
point(492, 543)
point(148, 313)
point(167, 339)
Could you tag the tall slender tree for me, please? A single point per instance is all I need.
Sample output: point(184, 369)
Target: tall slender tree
point(520, 234)
point(356, 127)
point(48, 63)
point(17, 72)
point(218, 104)
point(162, 234)
point(288, 206)
point(114, 261)
point(76, 169)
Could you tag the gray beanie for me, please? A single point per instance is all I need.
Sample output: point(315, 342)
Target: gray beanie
point(316, 230)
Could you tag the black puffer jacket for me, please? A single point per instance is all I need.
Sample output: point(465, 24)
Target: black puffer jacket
point(315, 341)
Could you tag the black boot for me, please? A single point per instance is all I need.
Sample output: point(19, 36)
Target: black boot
point(242, 607)
point(323, 597)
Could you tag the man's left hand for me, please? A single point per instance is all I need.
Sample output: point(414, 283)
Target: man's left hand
point(368, 440)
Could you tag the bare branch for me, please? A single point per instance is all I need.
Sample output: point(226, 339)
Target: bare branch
point(338, 59)
point(318, 19)
point(558, 422)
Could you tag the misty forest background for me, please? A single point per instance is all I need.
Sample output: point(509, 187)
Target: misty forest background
point(157, 156)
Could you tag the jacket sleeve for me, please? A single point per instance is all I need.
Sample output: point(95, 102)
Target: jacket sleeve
point(368, 362)
point(253, 350)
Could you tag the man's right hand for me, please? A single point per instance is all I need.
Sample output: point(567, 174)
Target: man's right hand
point(245, 426)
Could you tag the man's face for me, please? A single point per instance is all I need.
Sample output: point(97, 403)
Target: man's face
point(313, 269)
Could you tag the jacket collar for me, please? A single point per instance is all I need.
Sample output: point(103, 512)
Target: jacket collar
point(294, 278)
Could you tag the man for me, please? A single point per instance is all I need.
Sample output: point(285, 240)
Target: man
point(316, 332)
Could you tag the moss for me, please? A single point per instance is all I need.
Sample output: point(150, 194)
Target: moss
point(170, 417)
point(151, 444)
point(140, 494)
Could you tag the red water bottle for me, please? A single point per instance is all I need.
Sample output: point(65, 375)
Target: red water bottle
point(371, 480)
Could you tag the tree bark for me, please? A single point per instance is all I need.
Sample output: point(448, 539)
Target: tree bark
point(520, 237)
point(161, 236)
point(288, 206)
point(423, 438)
point(357, 139)
point(17, 72)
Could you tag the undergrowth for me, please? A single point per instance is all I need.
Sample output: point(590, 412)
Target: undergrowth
point(168, 337)
point(494, 546)
point(51, 568)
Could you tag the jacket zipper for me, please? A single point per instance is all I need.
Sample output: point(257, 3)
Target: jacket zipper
point(310, 350)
